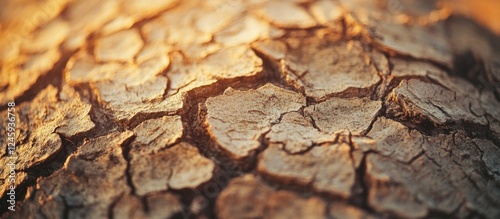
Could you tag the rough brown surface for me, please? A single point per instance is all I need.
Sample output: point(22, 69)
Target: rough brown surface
point(261, 201)
point(237, 119)
point(249, 109)
point(326, 168)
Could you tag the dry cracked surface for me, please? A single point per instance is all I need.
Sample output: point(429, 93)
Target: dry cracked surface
point(248, 109)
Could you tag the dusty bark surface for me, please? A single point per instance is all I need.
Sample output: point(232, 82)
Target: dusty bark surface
point(249, 109)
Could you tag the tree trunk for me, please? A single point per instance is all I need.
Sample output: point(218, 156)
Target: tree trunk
point(249, 109)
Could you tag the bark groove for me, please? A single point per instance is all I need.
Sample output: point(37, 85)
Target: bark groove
point(249, 109)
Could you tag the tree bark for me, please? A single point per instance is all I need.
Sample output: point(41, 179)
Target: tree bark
point(248, 109)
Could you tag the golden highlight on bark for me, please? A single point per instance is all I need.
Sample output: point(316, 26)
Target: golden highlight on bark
point(249, 109)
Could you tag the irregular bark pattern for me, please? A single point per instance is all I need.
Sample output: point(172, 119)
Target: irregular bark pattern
point(62, 114)
point(237, 119)
point(310, 65)
point(335, 114)
point(327, 168)
point(261, 201)
point(296, 133)
point(421, 100)
point(249, 109)
point(178, 167)
point(89, 182)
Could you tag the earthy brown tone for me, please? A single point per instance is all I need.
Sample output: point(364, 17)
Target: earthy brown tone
point(250, 109)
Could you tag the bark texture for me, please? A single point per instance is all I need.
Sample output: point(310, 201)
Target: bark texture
point(250, 109)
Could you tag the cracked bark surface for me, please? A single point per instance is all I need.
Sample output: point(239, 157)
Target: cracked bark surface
point(264, 202)
point(250, 109)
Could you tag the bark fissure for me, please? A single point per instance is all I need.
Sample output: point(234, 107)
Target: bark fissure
point(250, 109)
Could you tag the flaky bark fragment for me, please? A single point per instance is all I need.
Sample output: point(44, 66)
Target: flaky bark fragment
point(337, 115)
point(120, 46)
point(249, 197)
point(229, 63)
point(395, 140)
point(90, 180)
point(237, 119)
point(420, 100)
point(125, 102)
point(41, 125)
point(156, 134)
point(409, 40)
point(178, 167)
point(320, 74)
point(297, 133)
point(411, 28)
point(327, 168)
